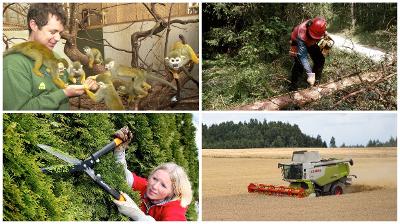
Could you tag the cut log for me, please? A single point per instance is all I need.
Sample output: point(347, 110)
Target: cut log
point(301, 97)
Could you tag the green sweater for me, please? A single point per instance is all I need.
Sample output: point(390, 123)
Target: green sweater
point(23, 90)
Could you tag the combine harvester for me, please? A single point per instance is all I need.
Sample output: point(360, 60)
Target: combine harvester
point(309, 175)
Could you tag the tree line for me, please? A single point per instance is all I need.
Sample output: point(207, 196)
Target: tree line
point(257, 134)
point(273, 134)
point(29, 194)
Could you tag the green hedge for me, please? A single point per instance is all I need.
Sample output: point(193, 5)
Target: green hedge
point(28, 194)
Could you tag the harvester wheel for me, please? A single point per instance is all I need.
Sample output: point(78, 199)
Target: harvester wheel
point(337, 189)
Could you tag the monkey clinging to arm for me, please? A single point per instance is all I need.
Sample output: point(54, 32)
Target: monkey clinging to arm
point(94, 56)
point(106, 92)
point(41, 55)
point(77, 73)
point(137, 76)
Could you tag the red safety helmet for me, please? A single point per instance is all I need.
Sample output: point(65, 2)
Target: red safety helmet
point(317, 28)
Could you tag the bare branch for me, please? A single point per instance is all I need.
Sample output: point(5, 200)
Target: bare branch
point(6, 7)
point(168, 30)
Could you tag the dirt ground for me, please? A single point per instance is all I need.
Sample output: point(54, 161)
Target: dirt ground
point(189, 102)
point(226, 174)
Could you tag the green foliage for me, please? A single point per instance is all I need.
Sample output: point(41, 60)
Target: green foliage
point(369, 97)
point(28, 194)
point(226, 86)
point(383, 39)
point(366, 16)
point(256, 134)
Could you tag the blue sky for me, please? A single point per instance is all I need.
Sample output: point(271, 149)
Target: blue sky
point(350, 128)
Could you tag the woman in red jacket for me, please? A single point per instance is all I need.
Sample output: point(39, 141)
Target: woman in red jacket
point(165, 195)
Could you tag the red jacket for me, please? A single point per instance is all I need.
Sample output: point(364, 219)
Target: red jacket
point(169, 211)
point(300, 31)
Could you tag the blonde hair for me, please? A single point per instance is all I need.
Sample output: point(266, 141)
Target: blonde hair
point(181, 186)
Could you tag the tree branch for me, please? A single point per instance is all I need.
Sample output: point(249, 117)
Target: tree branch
point(304, 96)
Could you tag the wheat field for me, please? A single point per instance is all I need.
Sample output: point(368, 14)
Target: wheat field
point(226, 174)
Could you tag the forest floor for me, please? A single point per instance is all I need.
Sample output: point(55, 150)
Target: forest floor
point(227, 173)
point(349, 45)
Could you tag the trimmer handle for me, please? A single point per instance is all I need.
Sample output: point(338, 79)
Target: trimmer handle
point(111, 191)
point(106, 149)
point(117, 195)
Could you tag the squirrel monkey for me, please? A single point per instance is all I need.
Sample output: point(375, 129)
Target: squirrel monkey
point(77, 73)
point(180, 56)
point(137, 86)
point(42, 56)
point(94, 56)
point(106, 92)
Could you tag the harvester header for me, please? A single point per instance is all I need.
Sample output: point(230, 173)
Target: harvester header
point(309, 175)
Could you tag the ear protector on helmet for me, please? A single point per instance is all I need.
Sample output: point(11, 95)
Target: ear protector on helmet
point(309, 23)
point(316, 27)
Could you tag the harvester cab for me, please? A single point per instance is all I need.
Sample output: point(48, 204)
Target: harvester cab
point(309, 175)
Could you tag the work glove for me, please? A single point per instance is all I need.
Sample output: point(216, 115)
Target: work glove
point(311, 78)
point(130, 209)
point(124, 134)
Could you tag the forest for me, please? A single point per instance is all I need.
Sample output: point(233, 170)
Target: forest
point(30, 195)
point(273, 134)
point(246, 60)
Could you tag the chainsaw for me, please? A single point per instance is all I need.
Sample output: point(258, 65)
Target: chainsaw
point(77, 165)
point(325, 44)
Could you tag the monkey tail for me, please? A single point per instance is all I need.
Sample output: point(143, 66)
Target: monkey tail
point(163, 81)
point(9, 51)
point(193, 55)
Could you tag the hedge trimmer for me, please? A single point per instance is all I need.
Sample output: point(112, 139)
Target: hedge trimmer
point(77, 165)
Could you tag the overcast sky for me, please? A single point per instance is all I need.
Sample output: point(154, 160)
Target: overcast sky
point(196, 123)
point(350, 128)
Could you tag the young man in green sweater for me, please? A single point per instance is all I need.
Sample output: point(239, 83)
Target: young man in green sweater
point(22, 89)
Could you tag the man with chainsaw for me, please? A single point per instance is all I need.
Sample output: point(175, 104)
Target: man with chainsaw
point(165, 194)
point(306, 40)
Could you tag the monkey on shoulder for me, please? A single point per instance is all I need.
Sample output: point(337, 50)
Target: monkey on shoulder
point(106, 92)
point(41, 55)
point(77, 74)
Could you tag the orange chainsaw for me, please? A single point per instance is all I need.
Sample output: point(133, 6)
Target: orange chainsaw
point(325, 45)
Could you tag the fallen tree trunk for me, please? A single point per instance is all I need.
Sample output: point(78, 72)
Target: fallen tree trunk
point(314, 93)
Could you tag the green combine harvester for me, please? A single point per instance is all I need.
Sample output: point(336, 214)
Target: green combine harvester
point(309, 175)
